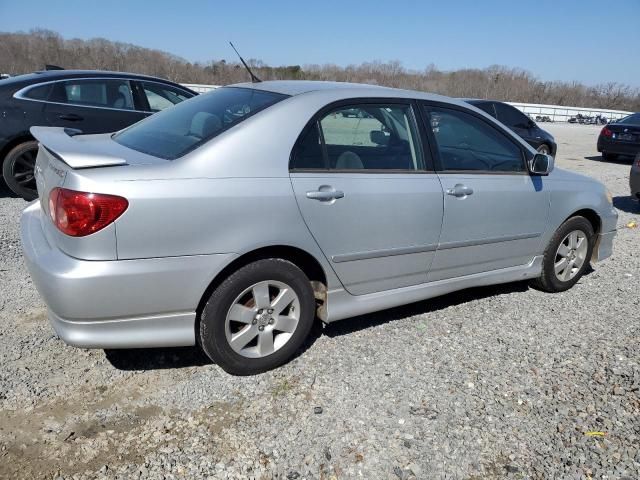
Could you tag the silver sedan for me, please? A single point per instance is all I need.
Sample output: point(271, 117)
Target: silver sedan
point(237, 218)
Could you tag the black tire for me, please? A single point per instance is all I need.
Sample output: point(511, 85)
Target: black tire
point(548, 281)
point(544, 148)
point(609, 157)
point(213, 339)
point(18, 169)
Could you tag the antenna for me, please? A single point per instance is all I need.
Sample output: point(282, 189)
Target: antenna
point(254, 79)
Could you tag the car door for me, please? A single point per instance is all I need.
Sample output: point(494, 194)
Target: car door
point(494, 211)
point(368, 194)
point(93, 105)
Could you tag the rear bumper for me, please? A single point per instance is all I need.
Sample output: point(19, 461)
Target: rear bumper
point(168, 330)
point(618, 148)
point(120, 303)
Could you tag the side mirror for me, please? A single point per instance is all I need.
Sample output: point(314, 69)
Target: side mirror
point(541, 164)
point(379, 137)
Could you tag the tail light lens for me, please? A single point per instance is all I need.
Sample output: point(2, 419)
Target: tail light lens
point(80, 213)
point(605, 132)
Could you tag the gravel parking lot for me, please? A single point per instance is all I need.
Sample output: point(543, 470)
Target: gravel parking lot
point(499, 382)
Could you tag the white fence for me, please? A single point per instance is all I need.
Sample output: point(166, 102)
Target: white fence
point(562, 114)
point(555, 112)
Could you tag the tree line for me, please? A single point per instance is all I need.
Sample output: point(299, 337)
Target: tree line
point(27, 52)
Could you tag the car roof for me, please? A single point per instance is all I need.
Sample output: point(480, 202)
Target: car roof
point(50, 75)
point(342, 89)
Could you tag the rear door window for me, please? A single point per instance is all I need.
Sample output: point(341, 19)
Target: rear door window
point(366, 137)
point(161, 96)
point(105, 93)
point(486, 107)
point(39, 92)
point(511, 116)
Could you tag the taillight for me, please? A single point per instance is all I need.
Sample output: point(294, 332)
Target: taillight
point(80, 213)
point(637, 162)
point(605, 132)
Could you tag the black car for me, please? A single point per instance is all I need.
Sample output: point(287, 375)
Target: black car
point(90, 101)
point(517, 121)
point(620, 138)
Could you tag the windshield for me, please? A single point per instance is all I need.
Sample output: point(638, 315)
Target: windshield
point(176, 131)
point(633, 119)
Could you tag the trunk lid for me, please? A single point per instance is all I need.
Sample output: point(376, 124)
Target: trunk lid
point(628, 133)
point(74, 150)
point(64, 149)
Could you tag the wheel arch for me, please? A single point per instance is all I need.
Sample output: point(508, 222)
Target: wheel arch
point(309, 264)
point(589, 214)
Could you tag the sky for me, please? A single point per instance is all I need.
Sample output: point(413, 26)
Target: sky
point(590, 41)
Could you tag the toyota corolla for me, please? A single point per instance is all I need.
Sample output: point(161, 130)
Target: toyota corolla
point(237, 218)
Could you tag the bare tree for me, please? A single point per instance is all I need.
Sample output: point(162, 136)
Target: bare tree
point(25, 52)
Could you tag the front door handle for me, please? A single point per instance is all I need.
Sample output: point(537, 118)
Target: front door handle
point(460, 191)
point(325, 195)
point(71, 117)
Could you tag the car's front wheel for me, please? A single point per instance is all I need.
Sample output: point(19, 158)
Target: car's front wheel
point(258, 317)
point(544, 149)
point(18, 170)
point(567, 256)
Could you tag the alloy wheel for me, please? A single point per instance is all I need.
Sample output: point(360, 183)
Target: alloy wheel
point(262, 319)
point(23, 170)
point(543, 149)
point(571, 255)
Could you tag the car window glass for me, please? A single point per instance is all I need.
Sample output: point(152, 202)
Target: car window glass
point(40, 92)
point(161, 96)
point(175, 131)
point(371, 137)
point(466, 142)
point(486, 107)
point(308, 152)
point(95, 93)
point(631, 119)
point(511, 117)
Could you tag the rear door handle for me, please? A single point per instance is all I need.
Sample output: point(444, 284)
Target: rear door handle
point(325, 195)
point(71, 117)
point(460, 190)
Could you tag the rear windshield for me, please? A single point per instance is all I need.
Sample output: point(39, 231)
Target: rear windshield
point(176, 131)
point(632, 119)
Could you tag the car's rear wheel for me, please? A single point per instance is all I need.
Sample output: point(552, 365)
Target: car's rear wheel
point(18, 170)
point(609, 157)
point(544, 149)
point(258, 317)
point(567, 256)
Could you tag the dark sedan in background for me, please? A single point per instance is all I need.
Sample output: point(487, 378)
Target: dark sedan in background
point(90, 101)
point(517, 121)
point(620, 138)
point(634, 178)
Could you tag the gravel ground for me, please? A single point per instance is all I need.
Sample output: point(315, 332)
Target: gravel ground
point(500, 382)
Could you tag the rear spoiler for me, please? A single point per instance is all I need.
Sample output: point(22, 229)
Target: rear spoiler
point(72, 150)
